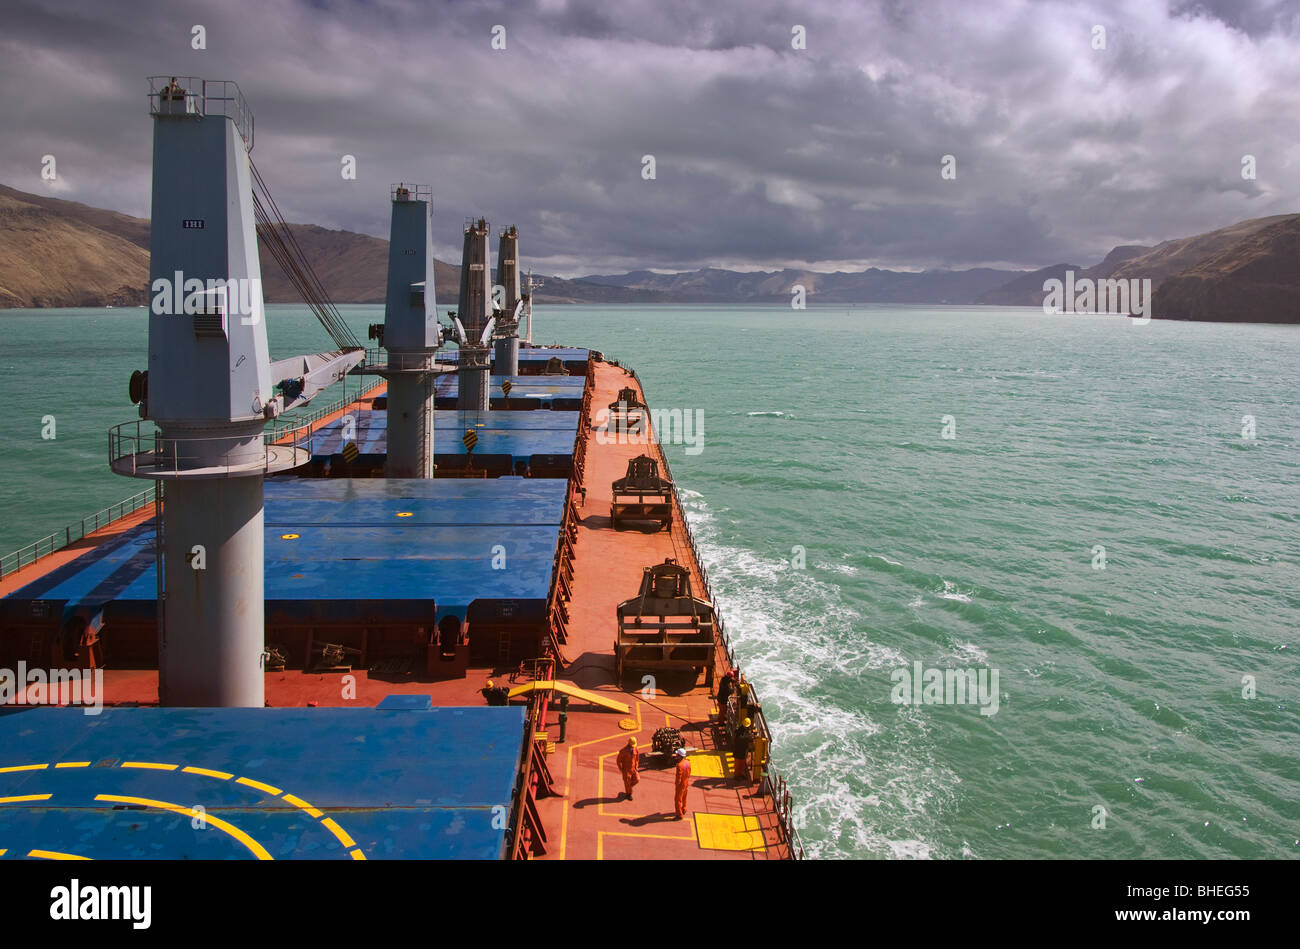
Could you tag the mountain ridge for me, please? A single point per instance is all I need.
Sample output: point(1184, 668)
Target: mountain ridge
point(1242, 272)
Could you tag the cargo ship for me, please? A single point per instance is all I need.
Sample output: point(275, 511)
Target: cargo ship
point(458, 614)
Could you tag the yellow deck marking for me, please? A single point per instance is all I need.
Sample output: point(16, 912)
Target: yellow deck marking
point(25, 797)
point(224, 776)
point(299, 802)
point(73, 764)
point(3, 852)
point(729, 832)
point(150, 765)
point(568, 779)
point(24, 767)
point(602, 834)
point(708, 764)
point(257, 849)
point(339, 832)
point(595, 698)
point(273, 791)
point(54, 855)
point(355, 855)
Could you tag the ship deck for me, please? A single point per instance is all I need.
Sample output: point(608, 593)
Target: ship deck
point(586, 818)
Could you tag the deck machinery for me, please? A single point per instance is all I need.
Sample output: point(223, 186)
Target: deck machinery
point(665, 628)
point(210, 391)
point(474, 320)
point(627, 415)
point(642, 495)
point(505, 358)
point(411, 336)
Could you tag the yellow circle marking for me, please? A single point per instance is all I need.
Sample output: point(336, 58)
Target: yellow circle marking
point(223, 775)
point(299, 802)
point(339, 832)
point(327, 822)
point(258, 850)
point(404, 514)
point(288, 536)
point(269, 789)
point(627, 724)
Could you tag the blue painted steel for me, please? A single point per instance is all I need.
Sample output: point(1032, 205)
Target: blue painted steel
point(351, 547)
point(354, 766)
point(571, 386)
point(532, 354)
point(517, 434)
point(406, 701)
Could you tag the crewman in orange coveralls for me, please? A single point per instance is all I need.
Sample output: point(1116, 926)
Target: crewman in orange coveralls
point(627, 765)
point(683, 775)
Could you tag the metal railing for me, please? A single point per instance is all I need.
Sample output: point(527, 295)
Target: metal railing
point(191, 95)
point(773, 782)
point(308, 418)
point(134, 450)
point(25, 556)
point(404, 192)
point(29, 554)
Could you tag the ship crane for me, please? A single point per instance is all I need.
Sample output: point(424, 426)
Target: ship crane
point(530, 287)
point(506, 349)
point(210, 390)
point(410, 334)
point(474, 321)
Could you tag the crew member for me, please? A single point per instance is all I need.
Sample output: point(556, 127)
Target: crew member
point(725, 688)
point(683, 781)
point(495, 694)
point(740, 749)
point(628, 759)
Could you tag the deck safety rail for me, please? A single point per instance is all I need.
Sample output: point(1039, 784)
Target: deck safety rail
point(133, 449)
point(773, 782)
point(201, 97)
point(337, 405)
point(517, 844)
point(47, 545)
point(25, 556)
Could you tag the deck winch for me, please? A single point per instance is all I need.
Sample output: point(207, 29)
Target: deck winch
point(665, 628)
point(627, 413)
point(642, 495)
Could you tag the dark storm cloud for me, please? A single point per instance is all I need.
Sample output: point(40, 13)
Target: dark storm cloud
point(766, 155)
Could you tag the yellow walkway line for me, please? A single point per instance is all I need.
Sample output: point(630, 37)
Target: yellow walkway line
point(568, 778)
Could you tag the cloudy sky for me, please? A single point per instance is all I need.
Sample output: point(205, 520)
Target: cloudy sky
point(765, 155)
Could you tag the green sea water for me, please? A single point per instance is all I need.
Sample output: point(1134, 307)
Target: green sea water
point(1148, 703)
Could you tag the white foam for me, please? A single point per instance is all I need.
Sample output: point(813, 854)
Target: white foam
point(861, 786)
point(970, 654)
point(950, 592)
